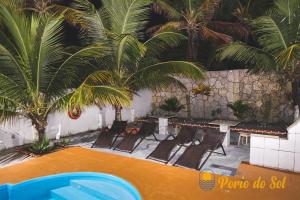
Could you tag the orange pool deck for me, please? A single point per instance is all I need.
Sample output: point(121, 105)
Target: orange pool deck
point(154, 181)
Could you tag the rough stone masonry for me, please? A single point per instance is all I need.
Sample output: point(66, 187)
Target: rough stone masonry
point(261, 92)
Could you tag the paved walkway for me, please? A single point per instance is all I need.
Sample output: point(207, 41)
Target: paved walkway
point(223, 165)
point(154, 181)
point(11, 157)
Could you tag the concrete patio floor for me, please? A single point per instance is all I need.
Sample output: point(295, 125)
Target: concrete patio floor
point(154, 181)
point(219, 164)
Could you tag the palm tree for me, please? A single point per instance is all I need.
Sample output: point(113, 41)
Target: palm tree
point(133, 63)
point(246, 10)
point(195, 18)
point(37, 72)
point(278, 49)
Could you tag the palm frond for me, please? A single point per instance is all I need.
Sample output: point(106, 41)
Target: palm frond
point(162, 42)
point(84, 14)
point(161, 7)
point(97, 88)
point(209, 34)
point(175, 68)
point(169, 26)
point(73, 62)
point(17, 25)
point(288, 9)
point(238, 30)
point(209, 8)
point(129, 52)
point(127, 16)
point(11, 89)
point(8, 109)
point(11, 66)
point(287, 58)
point(157, 82)
point(257, 59)
point(47, 49)
point(269, 35)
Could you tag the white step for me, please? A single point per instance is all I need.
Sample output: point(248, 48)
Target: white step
point(101, 189)
point(71, 193)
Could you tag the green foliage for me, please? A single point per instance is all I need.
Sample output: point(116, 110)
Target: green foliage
point(132, 63)
point(37, 68)
point(61, 143)
point(278, 45)
point(41, 147)
point(202, 89)
point(195, 18)
point(240, 110)
point(278, 41)
point(172, 105)
point(216, 112)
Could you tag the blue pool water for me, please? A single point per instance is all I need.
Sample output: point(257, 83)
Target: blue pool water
point(71, 186)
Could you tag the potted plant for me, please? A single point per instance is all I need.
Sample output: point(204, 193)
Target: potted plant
point(241, 110)
point(171, 106)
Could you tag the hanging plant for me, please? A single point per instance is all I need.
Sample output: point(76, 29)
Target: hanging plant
point(74, 113)
point(202, 89)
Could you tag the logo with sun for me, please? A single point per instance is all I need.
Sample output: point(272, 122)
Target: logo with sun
point(207, 180)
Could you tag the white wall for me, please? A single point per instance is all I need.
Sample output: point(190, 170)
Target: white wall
point(20, 131)
point(142, 105)
point(275, 152)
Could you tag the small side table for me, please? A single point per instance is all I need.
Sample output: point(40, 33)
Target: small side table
point(225, 128)
point(242, 137)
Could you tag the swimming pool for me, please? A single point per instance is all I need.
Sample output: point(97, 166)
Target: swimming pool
point(71, 186)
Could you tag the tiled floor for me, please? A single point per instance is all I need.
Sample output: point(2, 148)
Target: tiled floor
point(219, 164)
point(11, 157)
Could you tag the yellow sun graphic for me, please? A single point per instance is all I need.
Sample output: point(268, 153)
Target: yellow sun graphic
point(206, 176)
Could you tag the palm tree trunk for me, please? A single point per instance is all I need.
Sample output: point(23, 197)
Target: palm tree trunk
point(118, 113)
point(296, 97)
point(192, 53)
point(40, 125)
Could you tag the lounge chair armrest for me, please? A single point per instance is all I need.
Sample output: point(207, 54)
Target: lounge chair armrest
point(133, 131)
point(195, 140)
point(170, 136)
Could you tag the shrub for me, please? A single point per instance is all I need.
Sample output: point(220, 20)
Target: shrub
point(240, 110)
point(216, 112)
point(41, 147)
point(62, 143)
point(172, 105)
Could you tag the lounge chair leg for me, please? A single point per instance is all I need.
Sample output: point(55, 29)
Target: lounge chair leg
point(114, 141)
point(173, 155)
point(206, 159)
point(142, 139)
point(93, 145)
point(223, 150)
point(155, 137)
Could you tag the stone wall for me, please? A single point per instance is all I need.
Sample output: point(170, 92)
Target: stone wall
point(259, 91)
